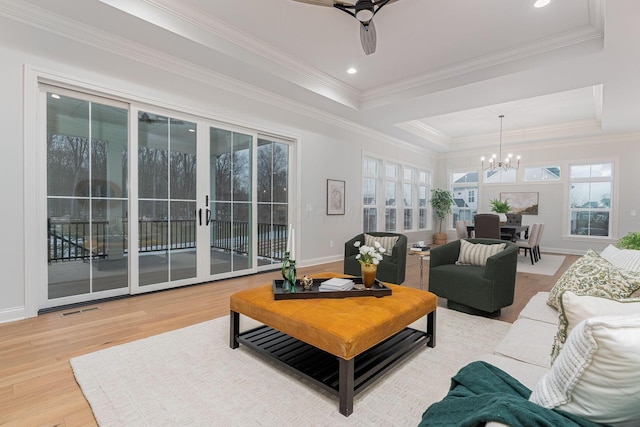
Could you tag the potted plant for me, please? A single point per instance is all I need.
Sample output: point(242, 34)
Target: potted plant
point(501, 208)
point(441, 201)
point(630, 241)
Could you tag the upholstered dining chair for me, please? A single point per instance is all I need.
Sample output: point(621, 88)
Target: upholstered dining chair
point(512, 219)
point(486, 226)
point(461, 230)
point(540, 230)
point(530, 243)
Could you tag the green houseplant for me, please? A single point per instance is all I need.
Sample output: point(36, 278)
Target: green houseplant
point(630, 241)
point(441, 201)
point(501, 208)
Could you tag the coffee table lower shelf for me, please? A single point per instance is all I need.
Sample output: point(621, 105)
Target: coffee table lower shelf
point(344, 378)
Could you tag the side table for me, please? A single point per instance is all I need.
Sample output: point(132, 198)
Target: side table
point(423, 255)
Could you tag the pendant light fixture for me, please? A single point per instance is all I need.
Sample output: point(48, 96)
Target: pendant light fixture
point(496, 162)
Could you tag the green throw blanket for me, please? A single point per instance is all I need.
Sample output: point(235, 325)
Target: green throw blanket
point(480, 393)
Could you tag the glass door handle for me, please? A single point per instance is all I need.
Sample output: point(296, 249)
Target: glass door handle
point(200, 215)
point(208, 219)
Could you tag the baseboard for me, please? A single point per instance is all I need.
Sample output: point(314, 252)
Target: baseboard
point(12, 314)
point(323, 260)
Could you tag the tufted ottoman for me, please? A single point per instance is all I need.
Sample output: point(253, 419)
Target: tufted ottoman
point(342, 345)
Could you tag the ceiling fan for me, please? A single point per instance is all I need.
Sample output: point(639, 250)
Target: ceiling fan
point(363, 11)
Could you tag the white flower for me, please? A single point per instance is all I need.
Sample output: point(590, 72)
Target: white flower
point(357, 244)
point(370, 254)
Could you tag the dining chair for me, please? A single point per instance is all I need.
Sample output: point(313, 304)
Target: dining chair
point(530, 243)
point(487, 226)
point(461, 230)
point(540, 230)
point(468, 223)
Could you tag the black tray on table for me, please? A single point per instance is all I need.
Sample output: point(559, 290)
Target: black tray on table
point(377, 290)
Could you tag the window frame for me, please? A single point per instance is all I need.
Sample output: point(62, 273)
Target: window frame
point(612, 209)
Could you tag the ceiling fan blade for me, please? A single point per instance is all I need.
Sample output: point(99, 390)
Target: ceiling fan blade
point(328, 3)
point(368, 38)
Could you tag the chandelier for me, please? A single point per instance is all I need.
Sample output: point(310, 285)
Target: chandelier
point(505, 164)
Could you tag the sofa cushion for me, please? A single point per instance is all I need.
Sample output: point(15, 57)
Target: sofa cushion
point(528, 375)
point(626, 259)
point(593, 275)
point(477, 253)
point(387, 242)
point(597, 373)
point(529, 341)
point(538, 309)
point(576, 308)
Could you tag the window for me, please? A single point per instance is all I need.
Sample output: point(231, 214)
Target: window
point(370, 169)
point(464, 187)
point(405, 193)
point(422, 200)
point(590, 192)
point(542, 173)
point(391, 185)
point(499, 176)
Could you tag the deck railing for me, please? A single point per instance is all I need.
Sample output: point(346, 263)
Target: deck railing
point(79, 240)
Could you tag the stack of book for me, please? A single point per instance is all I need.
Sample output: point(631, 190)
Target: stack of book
point(336, 284)
point(420, 248)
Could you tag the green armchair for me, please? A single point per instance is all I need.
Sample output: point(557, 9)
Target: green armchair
point(393, 266)
point(481, 290)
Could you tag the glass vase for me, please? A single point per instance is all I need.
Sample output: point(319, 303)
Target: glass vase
point(368, 274)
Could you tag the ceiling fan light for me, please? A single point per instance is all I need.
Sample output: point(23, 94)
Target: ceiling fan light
point(364, 15)
point(541, 3)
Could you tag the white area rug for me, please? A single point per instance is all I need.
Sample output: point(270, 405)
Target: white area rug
point(547, 265)
point(190, 377)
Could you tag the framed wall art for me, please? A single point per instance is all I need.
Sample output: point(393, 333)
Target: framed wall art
point(522, 202)
point(335, 197)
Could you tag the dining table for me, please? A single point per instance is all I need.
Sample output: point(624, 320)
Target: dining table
point(510, 229)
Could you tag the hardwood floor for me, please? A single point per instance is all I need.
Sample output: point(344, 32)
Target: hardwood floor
point(37, 386)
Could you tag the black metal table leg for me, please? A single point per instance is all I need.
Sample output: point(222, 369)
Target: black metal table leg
point(345, 389)
point(234, 329)
point(431, 328)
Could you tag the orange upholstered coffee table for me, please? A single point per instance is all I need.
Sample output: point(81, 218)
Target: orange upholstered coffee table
point(340, 344)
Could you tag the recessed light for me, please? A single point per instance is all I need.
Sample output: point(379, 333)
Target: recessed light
point(352, 70)
point(55, 96)
point(192, 130)
point(541, 3)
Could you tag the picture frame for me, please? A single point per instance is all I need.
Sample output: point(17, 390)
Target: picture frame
point(525, 203)
point(335, 197)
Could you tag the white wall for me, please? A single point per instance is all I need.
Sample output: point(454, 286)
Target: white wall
point(624, 150)
point(325, 150)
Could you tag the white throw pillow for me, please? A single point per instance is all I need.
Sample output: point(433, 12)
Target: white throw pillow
point(576, 308)
point(626, 259)
point(597, 374)
point(477, 253)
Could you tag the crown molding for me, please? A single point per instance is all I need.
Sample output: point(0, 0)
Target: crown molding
point(563, 131)
point(56, 24)
point(207, 30)
point(593, 31)
point(426, 132)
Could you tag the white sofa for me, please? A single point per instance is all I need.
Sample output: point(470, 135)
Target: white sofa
point(614, 360)
point(525, 352)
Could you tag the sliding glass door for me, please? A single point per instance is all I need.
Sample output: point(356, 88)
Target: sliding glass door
point(230, 213)
point(87, 197)
point(197, 202)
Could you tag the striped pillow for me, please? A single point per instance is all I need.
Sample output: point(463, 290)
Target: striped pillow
point(386, 242)
point(477, 254)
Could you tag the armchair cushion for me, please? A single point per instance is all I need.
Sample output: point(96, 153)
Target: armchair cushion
point(477, 254)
